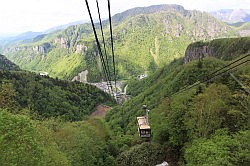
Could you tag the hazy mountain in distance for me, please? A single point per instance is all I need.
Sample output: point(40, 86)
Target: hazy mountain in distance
point(22, 36)
point(30, 34)
point(61, 27)
point(232, 15)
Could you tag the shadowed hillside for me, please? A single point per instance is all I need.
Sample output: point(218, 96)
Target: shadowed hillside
point(6, 64)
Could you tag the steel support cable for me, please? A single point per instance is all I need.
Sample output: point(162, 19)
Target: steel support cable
point(204, 81)
point(112, 43)
point(229, 64)
point(104, 44)
point(220, 69)
point(237, 60)
point(97, 41)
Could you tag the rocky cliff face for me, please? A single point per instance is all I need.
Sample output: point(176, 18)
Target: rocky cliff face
point(80, 48)
point(58, 42)
point(226, 49)
point(62, 42)
point(81, 77)
point(198, 52)
point(38, 49)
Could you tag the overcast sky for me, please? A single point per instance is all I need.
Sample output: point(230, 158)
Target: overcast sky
point(18, 16)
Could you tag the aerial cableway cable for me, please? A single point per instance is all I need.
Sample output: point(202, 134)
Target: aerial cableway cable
point(209, 79)
point(222, 68)
point(228, 65)
point(104, 44)
point(214, 75)
point(98, 45)
point(112, 43)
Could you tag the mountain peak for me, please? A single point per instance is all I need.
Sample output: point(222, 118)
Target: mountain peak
point(146, 10)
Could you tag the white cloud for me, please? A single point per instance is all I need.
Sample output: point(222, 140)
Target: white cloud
point(38, 15)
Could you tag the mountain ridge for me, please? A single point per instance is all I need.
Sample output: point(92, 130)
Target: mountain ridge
point(145, 10)
point(138, 49)
point(32, 34)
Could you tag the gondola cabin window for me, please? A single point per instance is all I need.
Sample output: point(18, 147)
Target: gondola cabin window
point(143, 127)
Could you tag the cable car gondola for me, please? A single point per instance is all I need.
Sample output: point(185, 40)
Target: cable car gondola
point(144, 129)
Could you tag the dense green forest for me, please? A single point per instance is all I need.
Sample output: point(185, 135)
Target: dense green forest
point(53, 142)
point(6, 64)
point(49, 97)
point(145, 39)
point(206, 125)
point(44, 121)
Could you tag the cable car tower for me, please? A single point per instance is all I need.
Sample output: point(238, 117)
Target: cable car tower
point(144, 129)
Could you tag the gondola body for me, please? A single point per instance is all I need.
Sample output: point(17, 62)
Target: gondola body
point(144, 129)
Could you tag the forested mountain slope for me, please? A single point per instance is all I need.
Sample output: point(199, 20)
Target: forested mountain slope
point(45, 121)
point(25, 141)
point(224, 49)
point(6, 64)
point(46, 97)
point(207, 124)
point(145, 39)
point(204, 125)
